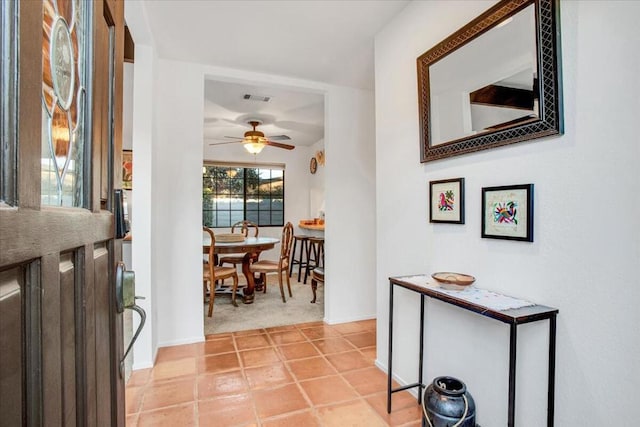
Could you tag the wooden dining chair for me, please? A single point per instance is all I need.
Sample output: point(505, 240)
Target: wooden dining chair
point(281, 266)
point(211, 272)
point(246, 228)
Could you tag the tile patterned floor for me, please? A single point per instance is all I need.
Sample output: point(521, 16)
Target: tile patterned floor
point(302, 375)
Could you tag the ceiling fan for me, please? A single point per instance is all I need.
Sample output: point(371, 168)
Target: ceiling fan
point(254, 140)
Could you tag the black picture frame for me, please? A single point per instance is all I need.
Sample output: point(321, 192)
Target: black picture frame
point(507, 212)
point(446, 201)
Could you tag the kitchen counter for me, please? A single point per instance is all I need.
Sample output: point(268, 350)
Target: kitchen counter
point(319, 227)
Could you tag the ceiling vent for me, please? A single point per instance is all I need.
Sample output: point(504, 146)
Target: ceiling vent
point(257, 98)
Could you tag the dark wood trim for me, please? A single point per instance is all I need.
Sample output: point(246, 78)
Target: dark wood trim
point(99, 104)
point(33, 322)
point(114, 247)
point(9, 101)
point(85, 258)
point(62, 383)
point(118, 87)
point(117, 343)
point(104, 358)
point(71, 227)
point(30, 118)
point(129, 46)
point(51, 339)
point(83, 315)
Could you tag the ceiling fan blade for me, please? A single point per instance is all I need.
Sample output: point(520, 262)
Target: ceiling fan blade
point(280, 145)
point(279, 138)
point(226, 142)
point(224, 138)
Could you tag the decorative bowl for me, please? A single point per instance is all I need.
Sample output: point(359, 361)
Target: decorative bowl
point(453, 281)
point(229, 237)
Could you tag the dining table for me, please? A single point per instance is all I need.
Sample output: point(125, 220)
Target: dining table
point(250, 246)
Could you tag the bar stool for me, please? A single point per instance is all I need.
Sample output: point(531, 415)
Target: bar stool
point(303, 255)
point(315, 255)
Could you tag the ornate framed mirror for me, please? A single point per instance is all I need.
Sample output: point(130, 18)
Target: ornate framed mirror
point(494, 82)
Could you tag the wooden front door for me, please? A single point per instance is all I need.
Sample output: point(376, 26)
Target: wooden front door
point(60, 122)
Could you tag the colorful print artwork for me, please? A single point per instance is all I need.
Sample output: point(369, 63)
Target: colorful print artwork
point(505, 212)
point(446, 201)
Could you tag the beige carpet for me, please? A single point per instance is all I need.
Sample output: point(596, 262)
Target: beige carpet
point(267, 310)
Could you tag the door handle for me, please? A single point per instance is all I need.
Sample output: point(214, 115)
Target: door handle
point(126, 299)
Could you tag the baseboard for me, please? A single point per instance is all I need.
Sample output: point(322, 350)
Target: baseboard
point(143, 365)
point(349, 319)
point(181, 341)
point(399, 380)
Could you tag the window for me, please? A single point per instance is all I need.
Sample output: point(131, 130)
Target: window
point(234, 193)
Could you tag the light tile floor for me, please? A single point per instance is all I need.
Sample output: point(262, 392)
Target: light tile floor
point(309, 374)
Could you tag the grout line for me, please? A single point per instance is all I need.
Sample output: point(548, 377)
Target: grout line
point(299, 328)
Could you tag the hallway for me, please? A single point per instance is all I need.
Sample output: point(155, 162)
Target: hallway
point(310, 374)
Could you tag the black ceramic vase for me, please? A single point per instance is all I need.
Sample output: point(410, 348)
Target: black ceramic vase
point(447, 403)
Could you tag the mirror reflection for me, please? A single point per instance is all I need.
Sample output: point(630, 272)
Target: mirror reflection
point(488, 84)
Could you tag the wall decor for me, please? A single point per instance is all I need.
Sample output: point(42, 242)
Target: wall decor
point(446, 201)
point(127, 169)
point(494, 82)
point(320, 157)
point(507, 212)
point(313, 165)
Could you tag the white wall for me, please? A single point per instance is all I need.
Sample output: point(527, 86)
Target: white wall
point(175, 202)
point(169, 117)
point(143, 243)
point(585, 255)
point(350, 205)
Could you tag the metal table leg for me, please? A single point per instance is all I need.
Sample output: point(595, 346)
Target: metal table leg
point(512, 375)
point(552, 371)
point(421, 349)
point(390, 349)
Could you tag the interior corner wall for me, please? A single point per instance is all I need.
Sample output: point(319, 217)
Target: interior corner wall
point(586, 246)
point(177, 202)
point(350, 205)
point(142, 246)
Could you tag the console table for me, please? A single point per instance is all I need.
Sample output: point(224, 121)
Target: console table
point(513, 317)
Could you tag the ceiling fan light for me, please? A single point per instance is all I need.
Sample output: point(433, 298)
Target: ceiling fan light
point(254, 147)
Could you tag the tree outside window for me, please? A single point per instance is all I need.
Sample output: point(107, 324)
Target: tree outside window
point(232, 194)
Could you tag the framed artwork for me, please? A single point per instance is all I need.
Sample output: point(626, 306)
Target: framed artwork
point(127, 169)
point(313, 165)
point(507, 212)
point(446, 201)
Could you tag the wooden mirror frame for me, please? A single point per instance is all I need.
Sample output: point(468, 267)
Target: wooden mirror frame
point(549, 122)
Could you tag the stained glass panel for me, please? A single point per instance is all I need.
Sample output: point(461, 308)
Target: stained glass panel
point(64, 108)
